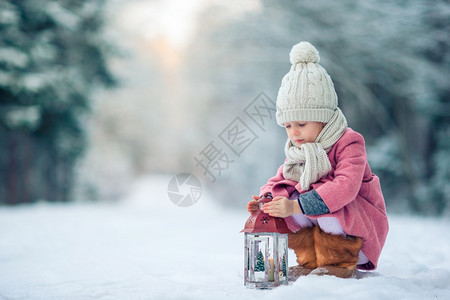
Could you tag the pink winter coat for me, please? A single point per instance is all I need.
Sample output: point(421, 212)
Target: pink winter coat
point(350, 191)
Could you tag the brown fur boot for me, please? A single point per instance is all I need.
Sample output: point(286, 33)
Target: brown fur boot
point(302, 242)
point(336, 255)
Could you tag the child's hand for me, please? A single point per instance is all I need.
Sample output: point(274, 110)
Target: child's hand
point(281, 207)
point(253, 205)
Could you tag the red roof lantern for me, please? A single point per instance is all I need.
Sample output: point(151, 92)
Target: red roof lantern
point(265, 250)
point(259, 221)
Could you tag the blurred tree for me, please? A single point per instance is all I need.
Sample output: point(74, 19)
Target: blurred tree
point(51, 58)
point(389, 61)
point(437, 51)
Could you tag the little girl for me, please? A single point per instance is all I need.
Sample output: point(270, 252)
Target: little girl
point(325, 189)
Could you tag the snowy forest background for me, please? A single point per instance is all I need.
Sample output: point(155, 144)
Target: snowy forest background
point(96, 94)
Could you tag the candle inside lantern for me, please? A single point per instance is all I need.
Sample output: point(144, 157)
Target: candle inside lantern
point(271, 273)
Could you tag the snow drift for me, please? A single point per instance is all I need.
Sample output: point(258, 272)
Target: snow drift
point(145, 247)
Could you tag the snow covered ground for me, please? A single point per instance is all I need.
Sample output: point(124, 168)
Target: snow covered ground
point(148, 248)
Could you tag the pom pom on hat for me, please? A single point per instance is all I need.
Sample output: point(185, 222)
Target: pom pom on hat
point(304, 52)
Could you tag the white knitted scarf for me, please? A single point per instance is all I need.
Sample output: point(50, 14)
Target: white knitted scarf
point(310, 162)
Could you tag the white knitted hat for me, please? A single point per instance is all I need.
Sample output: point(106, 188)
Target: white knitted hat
point(307, 92)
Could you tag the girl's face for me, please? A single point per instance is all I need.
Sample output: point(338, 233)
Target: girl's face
point(301, 132)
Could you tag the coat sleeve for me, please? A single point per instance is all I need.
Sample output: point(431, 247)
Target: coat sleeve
point(351, 160)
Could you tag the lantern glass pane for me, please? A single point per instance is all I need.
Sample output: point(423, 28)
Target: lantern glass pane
point(265, 256)
point(283, 258)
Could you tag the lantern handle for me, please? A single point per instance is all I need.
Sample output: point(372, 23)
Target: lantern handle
point(264, 199)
